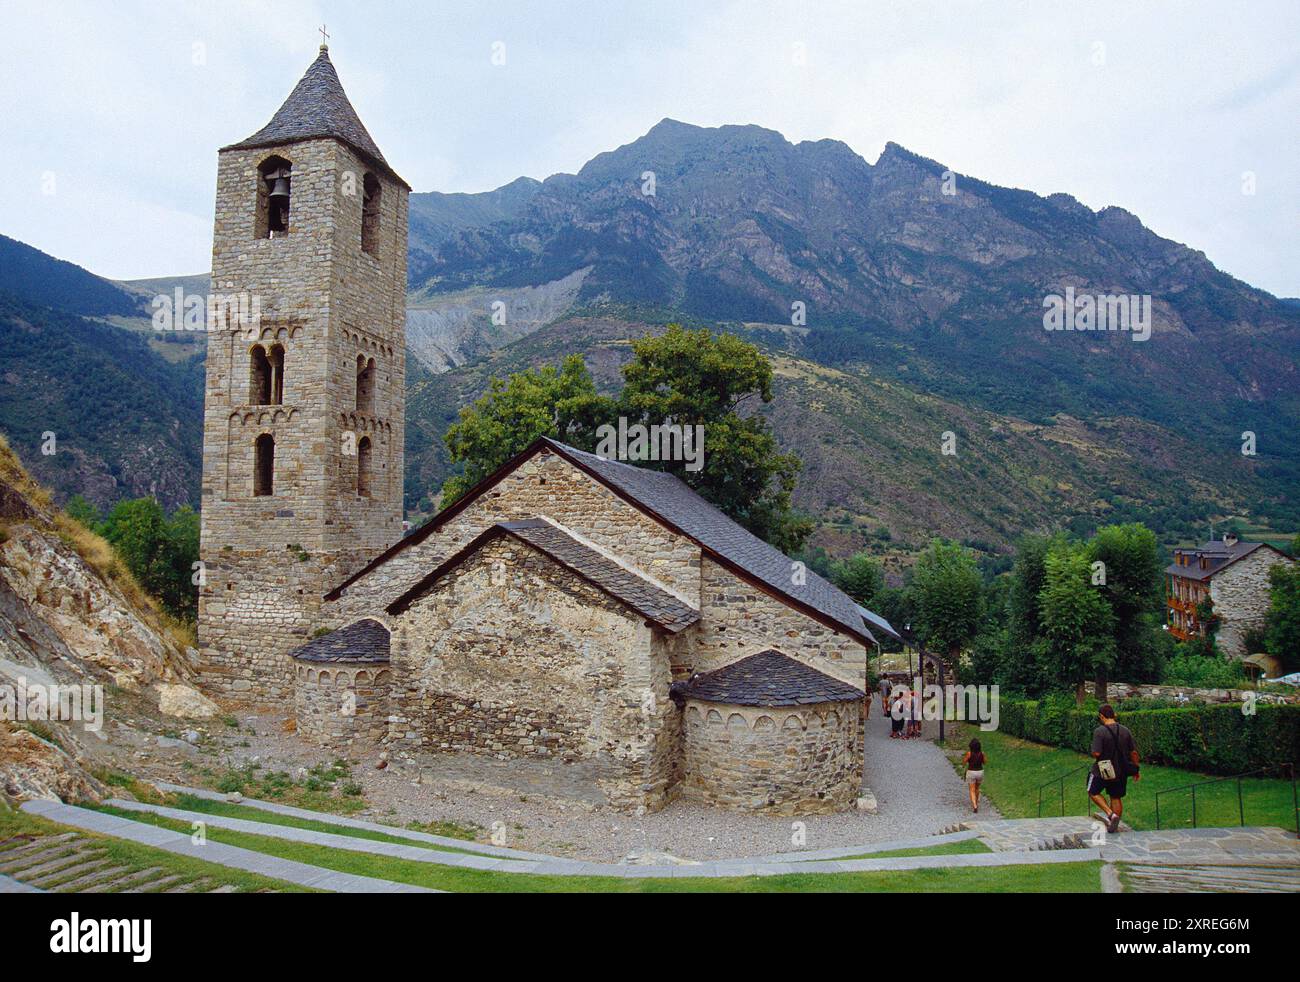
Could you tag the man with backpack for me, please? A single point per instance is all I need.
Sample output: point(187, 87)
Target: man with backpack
point(1115, 759)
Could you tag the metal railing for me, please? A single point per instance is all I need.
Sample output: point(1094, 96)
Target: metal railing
point(1288, 772)
point(1060, 782)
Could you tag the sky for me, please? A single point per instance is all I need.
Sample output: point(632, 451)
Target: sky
point(1183, 113)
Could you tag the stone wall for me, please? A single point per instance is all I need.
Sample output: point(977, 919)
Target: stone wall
point(268, 559)
point(1241, 599)
point(545, 485)
point(513, 656)
point(1131, 690)
point(738, 619)
point(342, 705)
point(782, 761)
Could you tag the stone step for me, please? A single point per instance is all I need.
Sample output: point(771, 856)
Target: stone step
point(1212, 879)
point(228, 888)
point(35, 862)
point(194, 886)
point(156, 886)
point(80, 862)
point(19, 844)
point(104, 872)
point(116, 886)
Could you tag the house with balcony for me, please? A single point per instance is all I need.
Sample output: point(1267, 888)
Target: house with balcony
point(1231, 574)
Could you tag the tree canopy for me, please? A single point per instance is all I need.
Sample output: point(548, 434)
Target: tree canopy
point(681, 377)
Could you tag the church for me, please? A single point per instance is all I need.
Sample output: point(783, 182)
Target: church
point(594, 629)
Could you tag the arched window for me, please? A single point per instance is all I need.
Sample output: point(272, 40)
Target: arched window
point(264, 466)
point(370, 214)
point(259, 377)
point(365, 385)
point(276, 360)
point(273, 192)
point(363, 467)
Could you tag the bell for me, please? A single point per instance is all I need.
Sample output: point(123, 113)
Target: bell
point(280, 190)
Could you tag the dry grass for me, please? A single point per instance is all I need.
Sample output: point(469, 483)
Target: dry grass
point(94, 550)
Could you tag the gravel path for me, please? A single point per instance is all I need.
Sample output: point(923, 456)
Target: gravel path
point(916, 788)
point(917, 791)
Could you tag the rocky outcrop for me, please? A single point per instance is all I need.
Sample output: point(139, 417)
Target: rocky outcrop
point(72, 620)
point(31, 767)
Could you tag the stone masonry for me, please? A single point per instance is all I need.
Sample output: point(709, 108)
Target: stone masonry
point(324, 302)
point(1241, 599)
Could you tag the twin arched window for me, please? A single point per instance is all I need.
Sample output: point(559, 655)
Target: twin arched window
point(266, 376)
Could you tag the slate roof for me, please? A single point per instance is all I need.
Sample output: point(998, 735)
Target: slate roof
point(319, 108)
point(628, 587)
point(875, 620)
point(1219, 554)
point(768, 678)
point(667, 499)
point(364, 641)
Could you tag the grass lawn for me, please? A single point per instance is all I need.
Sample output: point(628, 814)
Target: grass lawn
point(1082, 877)
point(963, 847)
point(231, 810)
point(18, 828)
point(1017, 767)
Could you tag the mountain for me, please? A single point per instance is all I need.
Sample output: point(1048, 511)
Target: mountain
point(40, 279)
point(924, 315)
point(125, 420)
point(936, 294)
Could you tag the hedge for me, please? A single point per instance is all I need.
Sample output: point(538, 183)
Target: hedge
point(1215, 739)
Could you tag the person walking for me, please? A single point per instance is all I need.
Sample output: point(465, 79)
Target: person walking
point(896, 716)
point(1115, 760)
point(884, 695)
point(974, 761)
point(917, 715)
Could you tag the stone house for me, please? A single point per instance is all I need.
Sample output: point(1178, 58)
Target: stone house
point(574, 626)
point(1231, 574)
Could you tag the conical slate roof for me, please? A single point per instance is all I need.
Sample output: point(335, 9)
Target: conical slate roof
point(319, 108)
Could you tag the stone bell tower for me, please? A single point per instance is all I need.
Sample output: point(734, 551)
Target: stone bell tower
point(305, 399)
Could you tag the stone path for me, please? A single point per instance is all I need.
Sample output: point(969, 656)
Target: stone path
point(1153, 878)
point(14, 863)
point(70, 862)
point(822, 861)
point(916, 788)
point(1219, 860)
point(348, 822)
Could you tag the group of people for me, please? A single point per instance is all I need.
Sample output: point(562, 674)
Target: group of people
point(1114, 753)
point(903, 708)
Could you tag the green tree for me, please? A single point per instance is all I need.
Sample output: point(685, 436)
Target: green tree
point(1283, 620)
point(1130, 580)
point(81, 510)
point(860, 576)
point(159, 551)
point(680, 377)
point(949, 593)
point(1077, 622)
point(560, 403)
point(719, 381)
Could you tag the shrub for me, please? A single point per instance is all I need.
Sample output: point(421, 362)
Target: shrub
point(1217, 739)
point(1203, 671)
